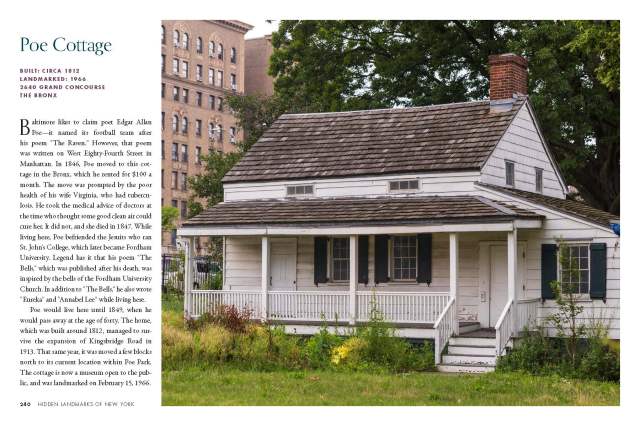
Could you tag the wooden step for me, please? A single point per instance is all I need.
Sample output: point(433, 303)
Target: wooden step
point(472, 341)
point(474, 369)
point(469, 360)
point(468, 327)
point(471, 350)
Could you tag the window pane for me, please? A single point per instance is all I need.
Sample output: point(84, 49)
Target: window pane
point(404, 257)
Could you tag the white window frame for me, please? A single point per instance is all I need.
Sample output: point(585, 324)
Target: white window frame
point(398, 181)
point(559, 266)
point(392, 258)
point(506, 173)
point(539, 172)
point(332, 260)
point(296, 195)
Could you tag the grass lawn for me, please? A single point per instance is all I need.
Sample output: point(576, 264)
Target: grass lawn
point(229, 386)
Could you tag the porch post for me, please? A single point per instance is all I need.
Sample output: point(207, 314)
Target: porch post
point(188, 275)
point(512, 264)
point(453, 273)
point(265, 276)
point(353, 277)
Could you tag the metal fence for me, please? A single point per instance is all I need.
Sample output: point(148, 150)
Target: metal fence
point(206, 273)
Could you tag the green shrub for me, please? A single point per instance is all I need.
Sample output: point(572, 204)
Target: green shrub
point(177, 346)
point(212, 282)
point(533, 353)
point(318, 347)
point(215, 343)
point(599, 362)
point(351, 354)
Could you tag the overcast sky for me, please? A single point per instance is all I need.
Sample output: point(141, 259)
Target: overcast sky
point(261, 28)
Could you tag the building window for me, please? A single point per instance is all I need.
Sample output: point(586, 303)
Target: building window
point(185, 96)
point(183, 209)
point(404, 185)
point(509, 169)
point(299, 190)
point(573, 268)
point(162, 63)
point(232, 134)
point(161, 179)
point(211, 76)
point(174, 180)
point(212, 48)
point(234, 85)
point(220, 51)
point(198, 127)
point(162, 120)
point(162, 90)
point(211, 101)
point(199, 99)
point(211, 130)
point(175, 66)
point(174, 124)
point(340, 259)
point(174, 237)
point(183, 181)
point(219, 132)
point(162, 34)
point(404, 258)
point(185, 69)
point(199, 45)
point(185, 125)
point(199, 72)
point(174, 203)
point(185, 41)
point(176, 93)
point(198, 155)
point(174, 152)
point(162, 148)
point(220, 78)
point(185, 154)
point(233, 55)
point(219, 103)
point(538, 180)
point(176, 38)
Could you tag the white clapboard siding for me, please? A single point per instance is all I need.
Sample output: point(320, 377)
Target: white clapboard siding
point(430, 183)
point(558, 226)
point(522, 144)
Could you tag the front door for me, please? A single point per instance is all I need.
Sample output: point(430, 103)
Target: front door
point(498, 292)
point(283, 264)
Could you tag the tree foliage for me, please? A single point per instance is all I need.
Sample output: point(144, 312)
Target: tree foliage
point(169, 216)
point(573, 65)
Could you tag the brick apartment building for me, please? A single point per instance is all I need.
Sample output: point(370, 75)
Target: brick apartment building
point(257, 54)
point(203, 62)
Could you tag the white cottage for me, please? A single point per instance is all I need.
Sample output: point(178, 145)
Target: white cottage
point(447, 217)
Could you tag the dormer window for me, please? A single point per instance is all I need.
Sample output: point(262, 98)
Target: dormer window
point(509, 169)
point(403, 185)
point(299, 190)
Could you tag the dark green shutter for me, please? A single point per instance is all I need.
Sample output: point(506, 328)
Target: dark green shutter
point(320, 260)
point(598, 289)
point(381, 258)
point(424, 258)
point(363, 259)
point(549, 268)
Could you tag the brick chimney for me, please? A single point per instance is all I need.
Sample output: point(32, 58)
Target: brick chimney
point(507, 76)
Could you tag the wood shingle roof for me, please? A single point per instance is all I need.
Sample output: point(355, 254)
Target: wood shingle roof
point(352, 210)
point(448, 137)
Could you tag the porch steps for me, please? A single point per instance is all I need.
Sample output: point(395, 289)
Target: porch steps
point(470, 352)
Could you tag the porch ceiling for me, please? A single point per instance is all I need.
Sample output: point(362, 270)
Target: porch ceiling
point(358, 212)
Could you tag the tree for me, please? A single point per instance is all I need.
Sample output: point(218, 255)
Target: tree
point(169, 216)
point(208, 185)
point(573, 80)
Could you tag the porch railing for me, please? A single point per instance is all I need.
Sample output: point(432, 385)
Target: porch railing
point(505, 327)
point(401, 307)
point(205, 300)
point(445, 327)
point(527, 314)
point(308, 305)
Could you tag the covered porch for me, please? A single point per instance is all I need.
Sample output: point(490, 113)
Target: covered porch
point(408, 271)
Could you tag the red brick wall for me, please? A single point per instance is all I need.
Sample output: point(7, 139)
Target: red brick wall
point(507, 76)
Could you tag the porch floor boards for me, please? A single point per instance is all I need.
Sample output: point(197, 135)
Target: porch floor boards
point(346, 323)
